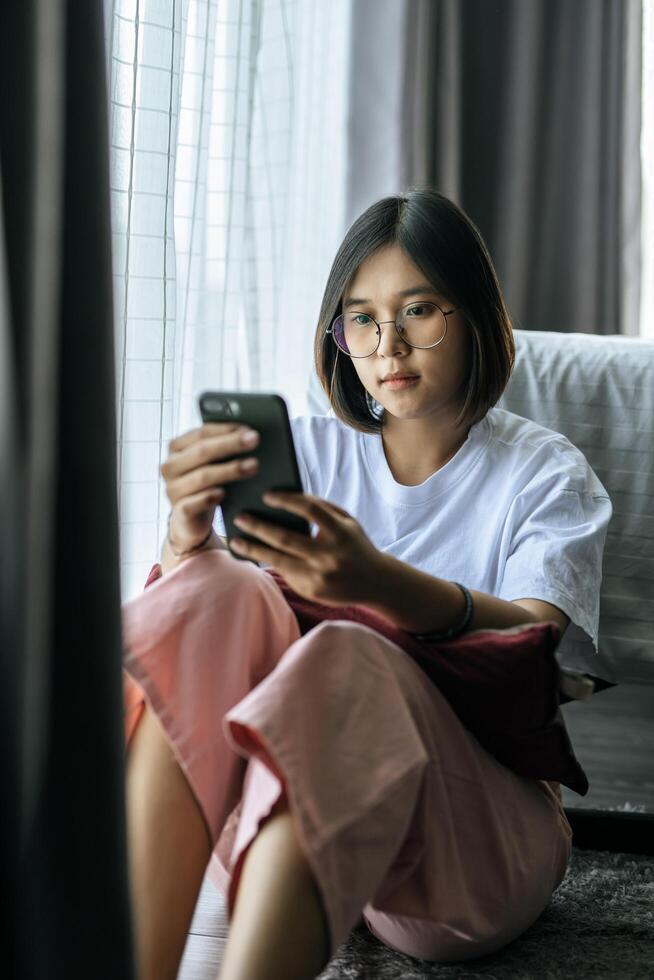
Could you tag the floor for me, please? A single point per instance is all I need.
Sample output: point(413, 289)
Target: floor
point(613, 737)
point(207, 937)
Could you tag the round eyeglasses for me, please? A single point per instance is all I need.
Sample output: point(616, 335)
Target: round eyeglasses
point(418, 324)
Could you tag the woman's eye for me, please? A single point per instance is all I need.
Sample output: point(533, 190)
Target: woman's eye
point(421, 310)
point(362, 320)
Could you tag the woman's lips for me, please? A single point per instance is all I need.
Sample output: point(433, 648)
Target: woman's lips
point(397, 383)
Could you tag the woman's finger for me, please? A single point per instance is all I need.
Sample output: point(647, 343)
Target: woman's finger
point(206, 477)
point(198, 503)
point(204, 450)
point(280, 538)
point(306, 505)
point(284, 564)
point(330, 505)
point(209, 429)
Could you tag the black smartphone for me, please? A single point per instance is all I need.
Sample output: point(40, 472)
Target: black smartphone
point(266, 412)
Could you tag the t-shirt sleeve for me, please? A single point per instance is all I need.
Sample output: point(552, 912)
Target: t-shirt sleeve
point(300, 436)
point(555, 554)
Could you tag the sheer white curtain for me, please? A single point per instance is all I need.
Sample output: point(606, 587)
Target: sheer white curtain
point(228, 134)
point(647, 154)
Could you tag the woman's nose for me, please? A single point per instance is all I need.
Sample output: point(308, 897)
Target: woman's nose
point(390, 342)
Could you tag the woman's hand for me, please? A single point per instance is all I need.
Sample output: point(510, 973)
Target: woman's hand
point(195, 472)
point(336, 567)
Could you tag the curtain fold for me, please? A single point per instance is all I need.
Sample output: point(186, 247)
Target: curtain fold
point(548, 131)
point(647, 188)
point(66, 877)
point(527, 115)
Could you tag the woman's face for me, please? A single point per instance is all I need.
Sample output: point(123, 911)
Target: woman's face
point(440, 371)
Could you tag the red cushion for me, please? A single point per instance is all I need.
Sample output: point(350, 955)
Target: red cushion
point(502, 684)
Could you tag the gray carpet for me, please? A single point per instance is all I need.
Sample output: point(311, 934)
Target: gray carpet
point(599, 924)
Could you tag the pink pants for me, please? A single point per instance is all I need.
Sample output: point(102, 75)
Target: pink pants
point(406, 821)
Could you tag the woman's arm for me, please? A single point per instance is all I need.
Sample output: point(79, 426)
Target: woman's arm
point(341, 565)
point(419, 603)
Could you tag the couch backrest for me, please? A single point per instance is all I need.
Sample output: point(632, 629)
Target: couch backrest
point(599, 392)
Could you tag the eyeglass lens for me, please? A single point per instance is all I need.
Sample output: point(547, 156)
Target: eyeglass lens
point(420, 325)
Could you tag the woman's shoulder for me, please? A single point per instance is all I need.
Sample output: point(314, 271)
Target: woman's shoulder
point(543, 453)
point(521, 432)
point(322, 430)
point(324, 444)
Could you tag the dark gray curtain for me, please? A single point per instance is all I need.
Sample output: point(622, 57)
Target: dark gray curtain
point(526, 113)
point(64, 837)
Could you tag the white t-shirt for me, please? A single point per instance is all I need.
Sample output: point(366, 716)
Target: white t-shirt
point(517, 512)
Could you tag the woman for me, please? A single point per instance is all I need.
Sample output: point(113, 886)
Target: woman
point(324, 778)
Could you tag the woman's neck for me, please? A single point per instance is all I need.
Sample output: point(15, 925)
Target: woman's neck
point(415, 451)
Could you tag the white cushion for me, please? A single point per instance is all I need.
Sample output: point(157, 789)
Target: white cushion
point(598, 391)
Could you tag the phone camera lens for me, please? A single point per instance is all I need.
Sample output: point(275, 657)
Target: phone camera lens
point(233, 408)
point(217, 405)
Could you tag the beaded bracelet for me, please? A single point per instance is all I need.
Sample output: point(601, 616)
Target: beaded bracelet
point(189, 551)
point(454, 630)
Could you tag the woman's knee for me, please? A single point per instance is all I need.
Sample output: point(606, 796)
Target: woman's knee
point(222, 568)
point(345, 656)
point(349, 649)
point(345, 637)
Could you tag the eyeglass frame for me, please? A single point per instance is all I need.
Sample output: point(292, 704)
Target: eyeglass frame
point(379, 323)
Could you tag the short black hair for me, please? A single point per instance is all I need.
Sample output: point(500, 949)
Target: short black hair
point(448, 248)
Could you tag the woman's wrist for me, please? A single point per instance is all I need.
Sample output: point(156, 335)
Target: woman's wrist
point(172, 555)
point(458, 627)
point(417, 602)
point(185, 552)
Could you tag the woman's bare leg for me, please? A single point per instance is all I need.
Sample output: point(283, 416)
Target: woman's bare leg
point(278, 928)
point(169, 847)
